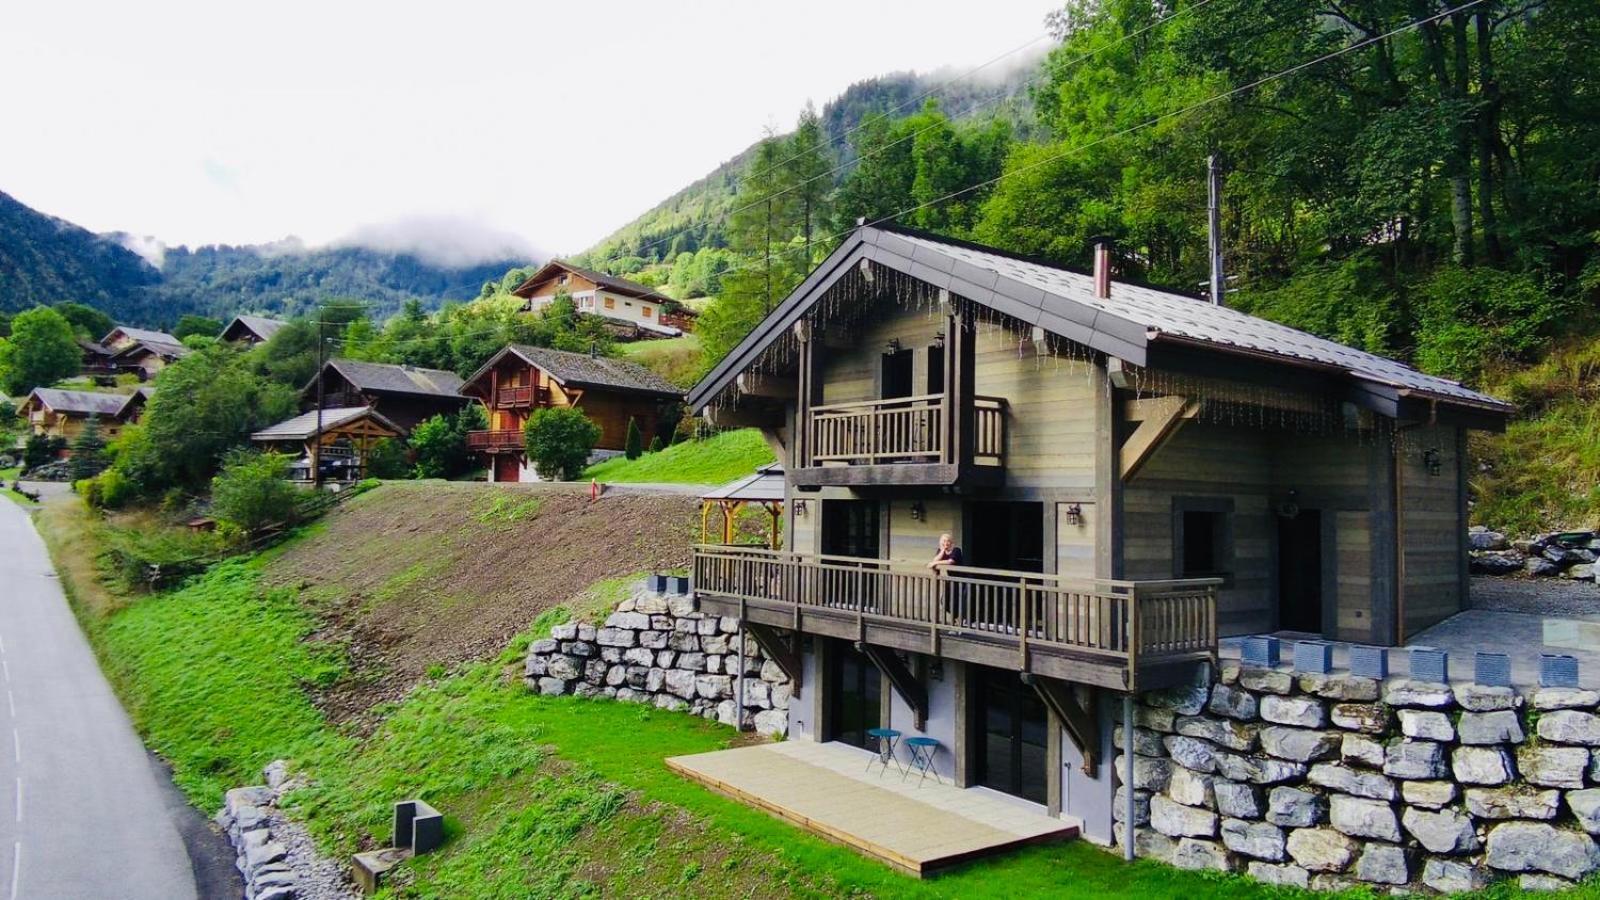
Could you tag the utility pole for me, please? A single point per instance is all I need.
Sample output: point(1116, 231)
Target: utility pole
point(1214, 226)
point(768, 260)
point(316, 438)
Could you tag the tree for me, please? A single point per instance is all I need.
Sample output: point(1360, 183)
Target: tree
point(633, 444)
point(40, 450)
point(190, 324)
point(87, 321)
point(88, 451)
point(253, 491)
point(655, 444)
point(559, 440)
point(439, 444)
point(388, 459)
point(40, 351)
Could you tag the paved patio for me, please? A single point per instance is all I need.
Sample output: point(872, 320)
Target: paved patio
point(916, 827)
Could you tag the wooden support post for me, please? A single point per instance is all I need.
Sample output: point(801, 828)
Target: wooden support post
point(959, 388)
point(1078, 719)
point(807, 391)
point(912, 691)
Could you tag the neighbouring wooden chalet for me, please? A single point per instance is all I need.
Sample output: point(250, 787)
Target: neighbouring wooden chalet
point(405, 395)
point(638, 308)
point(250, 330)
point(521, 379)
point(141, 350)
point(337, 441)
point(62, 414)
point(1129, 473)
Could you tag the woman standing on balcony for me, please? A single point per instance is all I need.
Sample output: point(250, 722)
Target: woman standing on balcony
point(948, 555)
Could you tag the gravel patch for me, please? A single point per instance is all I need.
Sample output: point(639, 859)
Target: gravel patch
point(1538, 597)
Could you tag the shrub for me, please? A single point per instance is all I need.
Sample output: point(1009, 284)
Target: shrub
point(633, 445)
point(1469, 320)
point(109, 490)
point(40, 450)
point(154, 557)
point(559, 441)
point(251, 491)
point(655, 444)
point(88, 451)
point(387, 459)
point(439, 444)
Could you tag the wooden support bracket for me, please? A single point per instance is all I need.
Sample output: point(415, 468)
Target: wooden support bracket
point(778, 650)
point(775, 386)
point(1079, 720)
point(1159, 419)
point(912, 691)
point(725, 417)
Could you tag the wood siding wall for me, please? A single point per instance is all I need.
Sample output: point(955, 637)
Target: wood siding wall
point(1431, 528)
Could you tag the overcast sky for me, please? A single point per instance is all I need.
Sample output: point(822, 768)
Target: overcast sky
point(459, 123)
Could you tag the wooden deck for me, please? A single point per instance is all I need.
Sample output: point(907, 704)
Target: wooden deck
point(826, 789)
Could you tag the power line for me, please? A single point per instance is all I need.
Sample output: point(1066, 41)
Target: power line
point(1147, 123)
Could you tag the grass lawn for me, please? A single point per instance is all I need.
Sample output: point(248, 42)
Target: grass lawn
point(678, 359)
point(716, 460)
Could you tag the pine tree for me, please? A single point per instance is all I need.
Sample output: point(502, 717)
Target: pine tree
point(633, 447)
point(655, 444)
point(88, 451)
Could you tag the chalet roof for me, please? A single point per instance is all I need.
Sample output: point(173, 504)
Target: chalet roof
point(386, 378)
point(165, 349)
point(95, 347)
point(763, 485)
point(80, 403)
point(260, 326)
point(582, 370)
point(141, 334)
point(607, 282)
point(304, 426)
point(1133, 322)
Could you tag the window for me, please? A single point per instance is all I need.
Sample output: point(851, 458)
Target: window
point(561, 280)
point(646, 312)
point(1202, 537)
point(611, 303)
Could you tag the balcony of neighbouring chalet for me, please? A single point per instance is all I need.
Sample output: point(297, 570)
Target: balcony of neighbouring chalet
point(495, 441)
point(1123, 635)
point(524, 397)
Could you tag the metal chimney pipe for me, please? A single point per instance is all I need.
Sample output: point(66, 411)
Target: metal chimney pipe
point(1102, 268)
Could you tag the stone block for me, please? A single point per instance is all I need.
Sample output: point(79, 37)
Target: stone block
point(671, 703)
point(1361, 750)
point(1550, 766)
point(1191, 788)
point(757, 693)
point(1446, 831)
point(1538, 847)
point(1192, 753)
point(1258, 769)
point(1145, 741)
point(1295, 808)
point(1184, 700)
point(680, 683)
point(772, 722)
point(1141, 806)
point(1429, 794)
point(780, 694)
point(1534, 882)
point(1426, 724)
point(713, 687)
point(1383, 864)
point(1415, 759)
point(650, 604)
point(1368, 718)
point(585, 689)
point(534, 666)
point(681, 605)
point(1228, 671)
point(1298, 744)
point(636, 621)
point(1482, 765)
point(566, 631)
point(1405, 692)
point(772, 673)
point(594, 671)
point(1352, 781)
point(615, 637)
point(705, 627)
point(1153, 718)
point(683, 642)
point(1585, 806)
point(1570, 726)
point(564, 667)
point(552, 687)
point(1321, 849)
point(653, 639)
point(1208, 856)
point(1237, 799)
point(1233, 703)
point(1482, 698)
point(1342, 687)
point(1451, 876)
point(1565, 698)
point(1286, 875)
point(1300, 712)
point(1176, 820)
point(1229, 733)
point(1149, 773)
point(1363, 818)
point(1496, 727)
point(1516, 802)
point(694, 662)
point(655, 680)
point(1147, 844)
point(639, 656)
point(616, 675)
point(714, 642)
point(545, 645)
point(1260, 840)
point(1266, 681)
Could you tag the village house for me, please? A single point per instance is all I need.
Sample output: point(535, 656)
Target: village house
point(1127, 473)
point(63, 414)
point(521, 379)
point(617, 300)
point(141, 350)
point(338, 441)
point(97, 359)
point(404, 395)
point(250, 330)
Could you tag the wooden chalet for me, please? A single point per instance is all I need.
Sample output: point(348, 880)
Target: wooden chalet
point(338, 440)
point(638, 309)
point(250, 330)
point(141, 350)
point(520, 379)
point(63, 414)
point(1130, 473)
point(405, 395)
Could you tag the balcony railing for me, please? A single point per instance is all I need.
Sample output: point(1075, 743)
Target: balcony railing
point(521, 397)
point(903, 430)
point(1122, 623)
point(495, 441)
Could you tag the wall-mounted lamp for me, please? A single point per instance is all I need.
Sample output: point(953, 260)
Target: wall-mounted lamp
point(1433, 461)
point(894, 345)
point(918, 511)
point(800, 507)
point(1075, 514)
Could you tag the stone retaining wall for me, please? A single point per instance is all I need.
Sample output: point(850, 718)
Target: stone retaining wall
point(661, 650)
point(1330, 781)
point(277, 857)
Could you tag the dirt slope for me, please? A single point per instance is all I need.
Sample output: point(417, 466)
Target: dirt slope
point(415, 575)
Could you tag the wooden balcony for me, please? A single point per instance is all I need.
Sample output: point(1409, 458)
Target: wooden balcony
point(495, 441)
point(1124, 635)
point(526, 397)
point(904, 441)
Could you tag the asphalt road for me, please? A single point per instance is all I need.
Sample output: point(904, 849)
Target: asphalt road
point(83, 812)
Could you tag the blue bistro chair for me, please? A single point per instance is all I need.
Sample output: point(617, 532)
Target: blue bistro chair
point(887, 739)
point(923, 750)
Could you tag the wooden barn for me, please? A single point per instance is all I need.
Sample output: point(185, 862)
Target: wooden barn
point(337, 441)
point(250, 330)
point(405, 395)
point(1126, 474)
point(520, 379)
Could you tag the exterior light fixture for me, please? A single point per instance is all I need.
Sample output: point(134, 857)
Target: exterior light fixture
point(894, 345)
point(1432, 461)
point(1075, 514)
point(800, 507)
point(918, 511)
